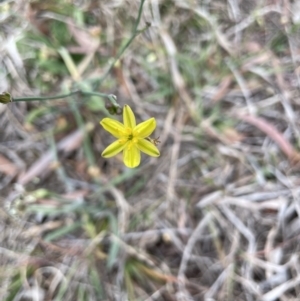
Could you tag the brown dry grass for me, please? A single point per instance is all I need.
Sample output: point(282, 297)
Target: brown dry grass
point(216, 217)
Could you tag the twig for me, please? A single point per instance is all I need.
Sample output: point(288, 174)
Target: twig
point(188, 252)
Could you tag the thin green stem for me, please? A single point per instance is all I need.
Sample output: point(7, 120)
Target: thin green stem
point(111, 97)
point(96, 81)
point(137, 22)
point(135, 32)
point(44, 98)
point(99, 81)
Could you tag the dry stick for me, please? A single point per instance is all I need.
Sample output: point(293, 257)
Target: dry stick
point(171, 49)
point(140, 255)
point(246, 22)
point(221, 38)
point(250, 285)
point(190, 105)
point(247, 234)
point(173, 163)
point(294, 54)
point(267, 265)
point(219, 282)
point(154, 235)
point(236, 14)
point(242, 83)
point(278, 291)
point(241, 227)
point(294, 193)
point(283, 244)
point(285, 94)
point(177, 78)
point(124, 209)
point(168, 126)
point(157, 295)
point(155, 12)
point(188, 252)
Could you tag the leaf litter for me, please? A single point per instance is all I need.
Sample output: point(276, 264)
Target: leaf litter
point(216, 217)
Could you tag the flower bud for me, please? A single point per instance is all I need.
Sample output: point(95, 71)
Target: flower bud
point(5, 98)
point(113, 109)
point(109, 106)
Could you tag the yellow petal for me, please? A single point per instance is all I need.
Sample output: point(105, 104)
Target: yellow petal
point(128, 117)
point(131, 156)
point(113, 149)
point(145, 128)
point(114, 127)
point(148, 148)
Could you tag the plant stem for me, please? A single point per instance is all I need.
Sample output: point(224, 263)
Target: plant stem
point(111, 97)
point(44, 98)
point(137, 22)
point(135, 32)
point(96, 81)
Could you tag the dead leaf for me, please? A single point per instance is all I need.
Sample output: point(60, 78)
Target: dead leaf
point(274, 134)
point(38, 230)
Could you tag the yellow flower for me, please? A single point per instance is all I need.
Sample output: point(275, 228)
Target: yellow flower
point(131, 138)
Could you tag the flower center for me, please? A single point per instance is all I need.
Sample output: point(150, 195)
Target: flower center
point(128, 136)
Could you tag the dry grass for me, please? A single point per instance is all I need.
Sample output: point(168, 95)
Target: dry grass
point(216, 217)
